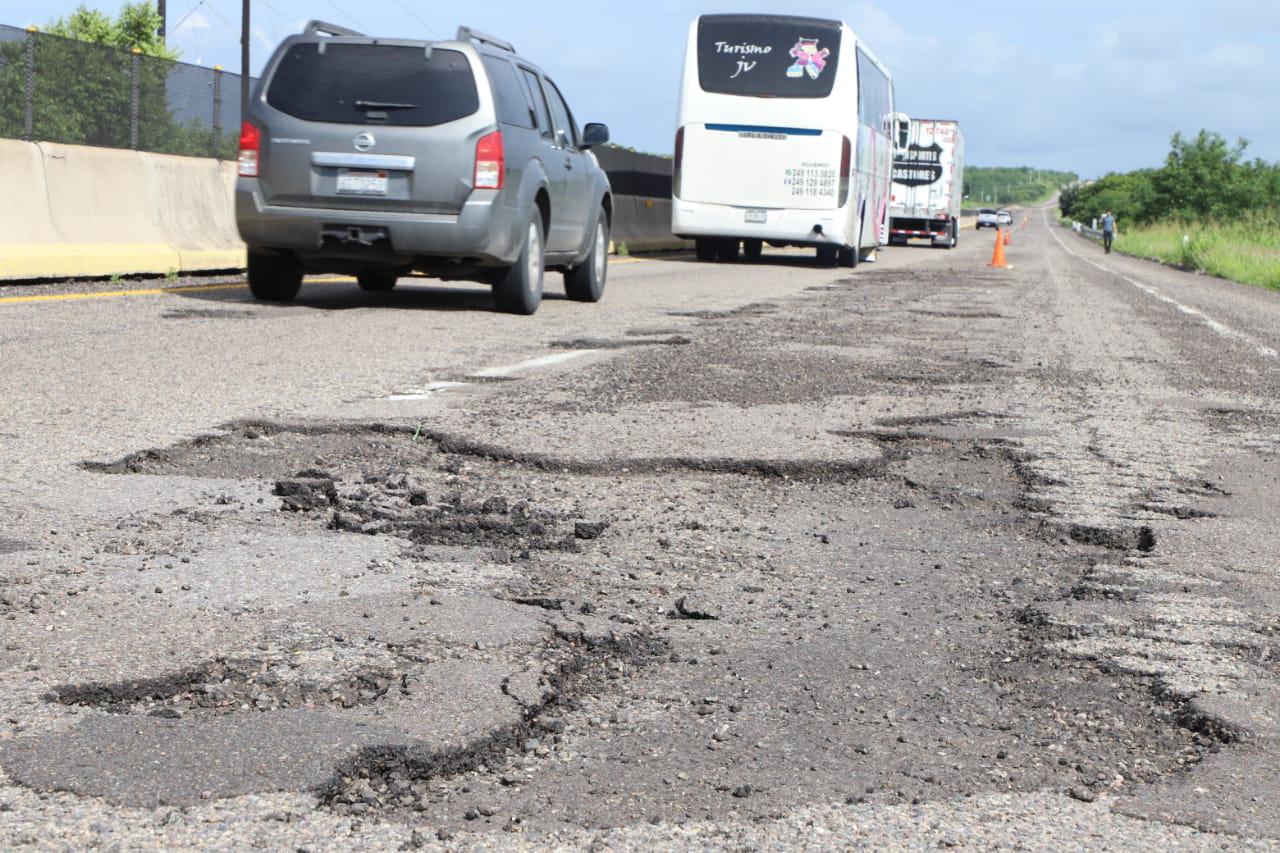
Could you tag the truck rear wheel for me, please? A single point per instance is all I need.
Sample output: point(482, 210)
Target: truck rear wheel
point(705, 249)
point(727, 250)
point(848, 257)
point(828, 256)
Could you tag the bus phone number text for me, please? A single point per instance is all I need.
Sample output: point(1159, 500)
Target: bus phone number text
point(811, 180)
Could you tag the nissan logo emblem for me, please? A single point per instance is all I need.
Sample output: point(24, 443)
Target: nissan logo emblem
point(364, 141)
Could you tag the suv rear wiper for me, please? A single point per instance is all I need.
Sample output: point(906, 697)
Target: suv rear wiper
point(383, 105)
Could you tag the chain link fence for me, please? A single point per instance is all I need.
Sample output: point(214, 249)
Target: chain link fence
point(54, 89)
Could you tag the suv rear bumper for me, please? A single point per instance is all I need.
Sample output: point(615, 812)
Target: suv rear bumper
point(486, 231)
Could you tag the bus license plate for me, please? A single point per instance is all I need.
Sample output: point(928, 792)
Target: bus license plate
point(757, 217)
point(358, 182)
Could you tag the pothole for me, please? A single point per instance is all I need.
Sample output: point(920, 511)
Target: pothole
point(271, 451)
point(328, 675)
point(12, 546)
point(604, 343)
point(403, 777)
point(403, 507)
point(207, 314)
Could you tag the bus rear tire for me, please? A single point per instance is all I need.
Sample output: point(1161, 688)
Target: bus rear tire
point(705, 249)
point(828, 256)
point(752, 249)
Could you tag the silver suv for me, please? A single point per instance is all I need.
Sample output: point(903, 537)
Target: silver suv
point(376, 157)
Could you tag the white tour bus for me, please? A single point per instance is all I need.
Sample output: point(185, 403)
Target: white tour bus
point(784, 135)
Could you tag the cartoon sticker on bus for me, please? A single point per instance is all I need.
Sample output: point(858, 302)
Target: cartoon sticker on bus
point(808, 59)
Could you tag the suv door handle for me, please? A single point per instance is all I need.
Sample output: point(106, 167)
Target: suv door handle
point(568, 164)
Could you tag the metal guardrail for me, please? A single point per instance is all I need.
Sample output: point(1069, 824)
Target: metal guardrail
point(1091, 233)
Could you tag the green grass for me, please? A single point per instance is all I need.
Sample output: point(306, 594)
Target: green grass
point(1247, 250)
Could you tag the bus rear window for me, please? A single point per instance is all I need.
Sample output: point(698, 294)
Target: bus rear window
point(767, 56)
point(359, 83)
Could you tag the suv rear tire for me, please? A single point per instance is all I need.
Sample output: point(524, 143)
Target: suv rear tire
point(585, 282)
point(828, 256)
point(518, 289)
point(274, 278)
point(752, 249)
point(378, 282)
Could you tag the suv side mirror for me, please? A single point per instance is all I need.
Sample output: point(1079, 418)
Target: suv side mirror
point(595, 134)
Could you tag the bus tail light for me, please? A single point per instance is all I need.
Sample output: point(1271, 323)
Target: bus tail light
point(490, 162)
point(250, 149)
point(846, 163)
point(677, 164)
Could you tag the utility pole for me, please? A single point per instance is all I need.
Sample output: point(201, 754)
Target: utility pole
point(164, 23)
point(244, 62)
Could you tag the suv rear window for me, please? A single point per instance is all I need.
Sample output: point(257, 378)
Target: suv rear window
point(509, 93)
point(360, 83)
point(768, 56)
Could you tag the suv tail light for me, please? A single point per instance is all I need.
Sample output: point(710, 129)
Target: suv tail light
point(846, 163)
point(490, 162)
point(250, 148)
point(678, 164)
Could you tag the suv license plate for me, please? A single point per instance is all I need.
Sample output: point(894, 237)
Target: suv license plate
point(757, 217)
point(362, 183)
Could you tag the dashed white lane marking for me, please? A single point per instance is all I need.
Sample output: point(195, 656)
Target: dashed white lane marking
point(433, 388)
point(1220, 328)
point(530, 364)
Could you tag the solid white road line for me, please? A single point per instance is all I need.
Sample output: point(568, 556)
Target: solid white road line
point(433, 388)
point(530, 364)
point(1220, 328)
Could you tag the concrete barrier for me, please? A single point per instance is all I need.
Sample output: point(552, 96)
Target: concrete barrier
point(101, 204)
point(73, 211)
point(194, 211)
point(644, 224)
point(30, 246)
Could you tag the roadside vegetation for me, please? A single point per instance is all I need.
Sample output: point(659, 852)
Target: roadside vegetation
point(1207, 209)
point(83, 91)
point(994, 187)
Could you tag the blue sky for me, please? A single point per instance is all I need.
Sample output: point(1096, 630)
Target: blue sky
point(1086, 86)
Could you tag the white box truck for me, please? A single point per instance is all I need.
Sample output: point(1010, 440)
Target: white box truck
point(928, 184)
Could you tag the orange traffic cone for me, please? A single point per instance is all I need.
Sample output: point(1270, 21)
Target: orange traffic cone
point(1008, 237)
point(997, 260)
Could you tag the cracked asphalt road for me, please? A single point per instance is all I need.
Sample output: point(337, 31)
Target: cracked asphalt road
point(923, 554)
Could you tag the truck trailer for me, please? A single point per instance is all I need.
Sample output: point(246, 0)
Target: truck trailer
point(928, 184)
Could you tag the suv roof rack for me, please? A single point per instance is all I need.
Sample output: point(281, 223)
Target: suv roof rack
point(468, 34)
point(325, 28)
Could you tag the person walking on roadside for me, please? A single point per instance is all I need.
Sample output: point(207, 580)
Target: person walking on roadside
point(1108, 230)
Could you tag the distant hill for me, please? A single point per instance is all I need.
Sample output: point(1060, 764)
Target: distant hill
point(1004, 185)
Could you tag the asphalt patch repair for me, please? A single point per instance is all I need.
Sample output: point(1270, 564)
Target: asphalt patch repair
point(770, 647)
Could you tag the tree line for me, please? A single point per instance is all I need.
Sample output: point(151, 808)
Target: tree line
point(84, 87)
point(985, 186)
point(1203, 179)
